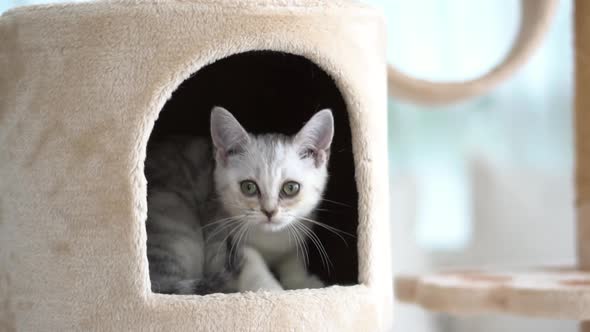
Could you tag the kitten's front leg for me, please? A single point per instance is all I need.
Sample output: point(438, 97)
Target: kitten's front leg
point(255, 274)
point(294, 275)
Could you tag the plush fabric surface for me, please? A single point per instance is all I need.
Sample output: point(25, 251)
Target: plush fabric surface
point(550, 293)
point(80, 88)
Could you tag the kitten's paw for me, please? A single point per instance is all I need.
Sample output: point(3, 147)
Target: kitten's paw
point(271, 285)
point(312, 281)
point(309, 281)
point(255, 275)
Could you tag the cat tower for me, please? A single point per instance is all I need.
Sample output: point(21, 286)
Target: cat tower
point(81, 87)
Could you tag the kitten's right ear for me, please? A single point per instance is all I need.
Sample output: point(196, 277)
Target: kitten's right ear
point(227, 135)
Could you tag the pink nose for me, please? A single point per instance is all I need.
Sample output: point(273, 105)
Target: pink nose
point(269, 214)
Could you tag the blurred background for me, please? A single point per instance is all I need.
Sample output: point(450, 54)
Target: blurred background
point(488, 181)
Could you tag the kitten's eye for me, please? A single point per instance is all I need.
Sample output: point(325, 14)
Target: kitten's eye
point(290, 188)
point(249, 188)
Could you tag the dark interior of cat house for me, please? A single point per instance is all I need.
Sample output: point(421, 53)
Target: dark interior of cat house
point(277, 92)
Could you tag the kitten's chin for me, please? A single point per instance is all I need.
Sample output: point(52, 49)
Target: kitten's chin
point(272, 227)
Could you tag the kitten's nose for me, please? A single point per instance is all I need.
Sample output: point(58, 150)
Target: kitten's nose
point(270, 213)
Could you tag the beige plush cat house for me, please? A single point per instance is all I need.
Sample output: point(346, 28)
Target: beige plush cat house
point(84, 89)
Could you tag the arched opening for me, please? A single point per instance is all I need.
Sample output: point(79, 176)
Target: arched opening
point(277, 92)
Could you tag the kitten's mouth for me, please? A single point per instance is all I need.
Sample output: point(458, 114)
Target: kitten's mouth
point(271, 225)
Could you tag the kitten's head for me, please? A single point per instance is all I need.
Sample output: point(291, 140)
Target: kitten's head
point(270, 180)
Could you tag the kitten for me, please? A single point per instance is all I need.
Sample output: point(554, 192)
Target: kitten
point(221, 216)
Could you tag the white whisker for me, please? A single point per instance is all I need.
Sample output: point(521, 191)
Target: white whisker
point(229, 234)
point(336, 202)
point(330, 228)
point(219, 221)
point(239, 236)
point(318, 243)
point(304, 247)
point(224, 226)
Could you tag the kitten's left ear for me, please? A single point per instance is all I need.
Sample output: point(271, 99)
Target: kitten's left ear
point(315, 137)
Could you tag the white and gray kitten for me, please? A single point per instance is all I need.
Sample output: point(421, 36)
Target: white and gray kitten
point(221, 216)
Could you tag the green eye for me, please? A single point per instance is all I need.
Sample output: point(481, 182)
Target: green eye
point(290, 188)
point(249, 188)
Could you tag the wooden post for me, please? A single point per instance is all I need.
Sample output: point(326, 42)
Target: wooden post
point(582, 128)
